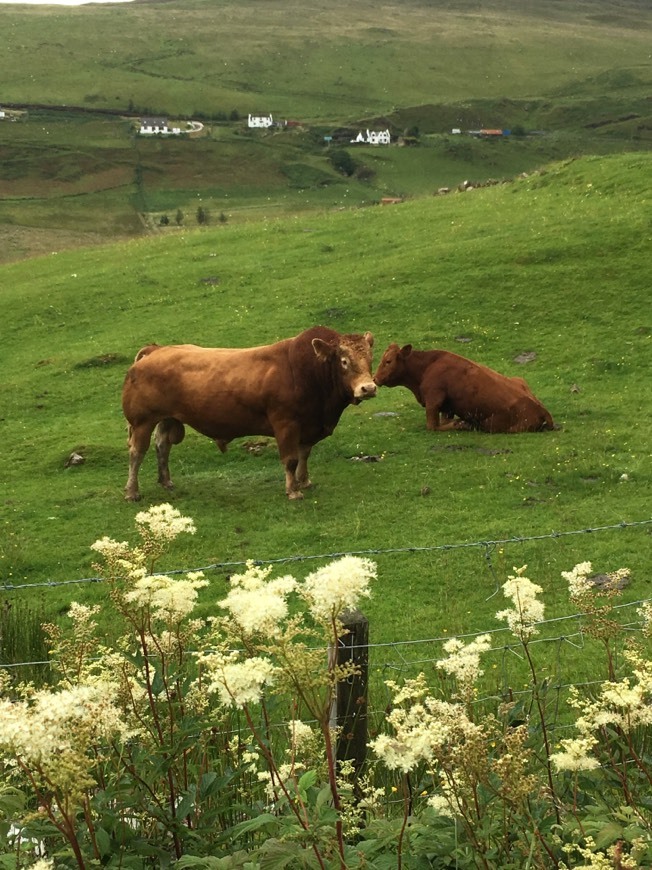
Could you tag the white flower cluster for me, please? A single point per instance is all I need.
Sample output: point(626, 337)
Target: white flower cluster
point(463, 661)
point(418, 732)
point(645, 612)
point(338, 587)
point(169, 598)
point(51, 725)
point(527, 611)
point(256, 603)
point(594, 859)
point(577, 579)
point(300, 734)
point(625, 705)
point(165, 522)
point(237, 683)
point(575, 755)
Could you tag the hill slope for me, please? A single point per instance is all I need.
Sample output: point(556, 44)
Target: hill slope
point(556, 264)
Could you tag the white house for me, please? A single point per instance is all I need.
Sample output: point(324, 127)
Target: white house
point(260, 120)
point(157, 126)
point(2, 113)
point(373, 137)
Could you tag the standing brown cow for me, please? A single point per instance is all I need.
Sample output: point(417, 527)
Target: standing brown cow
point(450, 385)
point(295, 390)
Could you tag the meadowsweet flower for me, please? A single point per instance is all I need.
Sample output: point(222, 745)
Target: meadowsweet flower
point(238, 683)
point(575, 755)
point(338, 587)
point(52, 732)
point(300, 734)
point(463, 660)
point(82, 613)
point(577, 579)
point(110, 549)
point(169, 598)
point(256, 603)
point(410, 691)
point(164, 522)
point(528, 610)
point(441, 805)
point(418, 732)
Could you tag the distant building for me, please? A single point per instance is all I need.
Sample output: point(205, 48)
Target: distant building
point(260, 121)
point(157, 126)
point(373, 137)
point(2, 113)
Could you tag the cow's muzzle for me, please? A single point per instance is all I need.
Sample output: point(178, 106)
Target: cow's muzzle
point(365, 391)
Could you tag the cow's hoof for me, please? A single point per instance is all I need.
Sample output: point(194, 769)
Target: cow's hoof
point(296, 494)
point(132, 496)
point(307, 485)
point(166, 484)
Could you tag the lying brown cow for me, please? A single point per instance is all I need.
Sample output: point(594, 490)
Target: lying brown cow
point(295, 390)
point(450, 386)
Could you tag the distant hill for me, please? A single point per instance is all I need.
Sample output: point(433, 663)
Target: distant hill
point(72, 170)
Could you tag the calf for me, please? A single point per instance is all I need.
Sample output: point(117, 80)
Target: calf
point(450, 386)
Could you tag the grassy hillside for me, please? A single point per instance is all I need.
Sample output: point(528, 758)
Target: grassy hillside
point(311, 61)
point(556, 264)
point(72, 171)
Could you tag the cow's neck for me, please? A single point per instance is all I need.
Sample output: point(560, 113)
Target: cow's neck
point(415, 366)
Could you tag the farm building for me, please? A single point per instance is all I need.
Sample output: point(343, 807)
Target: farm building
point(373, 137)
point(260, 121)
point(157, 126)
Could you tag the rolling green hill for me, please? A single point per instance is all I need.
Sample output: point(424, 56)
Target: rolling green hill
point(556, 264)
point(72, 170)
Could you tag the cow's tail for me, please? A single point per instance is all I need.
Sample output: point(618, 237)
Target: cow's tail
point(145, 351)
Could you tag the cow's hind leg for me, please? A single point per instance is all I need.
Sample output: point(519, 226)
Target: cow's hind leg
point(138, 441)
point(168, 432)
point(301, 474)
point(290, 454)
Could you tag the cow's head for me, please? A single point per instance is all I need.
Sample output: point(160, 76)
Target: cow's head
point(350, 356)
point(392, 365)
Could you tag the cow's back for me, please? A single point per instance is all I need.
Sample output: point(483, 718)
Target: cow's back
point(484, 397)
point(221, 392)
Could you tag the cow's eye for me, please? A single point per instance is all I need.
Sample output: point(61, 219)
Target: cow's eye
point(345, 362)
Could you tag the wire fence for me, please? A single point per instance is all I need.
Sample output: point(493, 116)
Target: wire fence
point(488, 545)
point(558, 643)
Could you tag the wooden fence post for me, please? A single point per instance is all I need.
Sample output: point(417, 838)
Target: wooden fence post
point(350, 704)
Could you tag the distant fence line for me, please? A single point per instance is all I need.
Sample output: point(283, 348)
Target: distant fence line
point(488, 544)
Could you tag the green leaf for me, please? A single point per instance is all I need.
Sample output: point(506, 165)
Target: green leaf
point(277, 855)
point(324, 797)
point(186, 804)
point(608, 834)
point(103, 841)
point(308, 779)
point(250, 825)
point(211, 784)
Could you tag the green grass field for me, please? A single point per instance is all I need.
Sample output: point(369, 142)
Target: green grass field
point(556, 264)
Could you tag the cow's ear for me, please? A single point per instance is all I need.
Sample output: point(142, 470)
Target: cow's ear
point(406, 350)
point(323, 350)
point(369, 338)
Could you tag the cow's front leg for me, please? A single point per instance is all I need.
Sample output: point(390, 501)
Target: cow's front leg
point(301, 474)
point(138, 441)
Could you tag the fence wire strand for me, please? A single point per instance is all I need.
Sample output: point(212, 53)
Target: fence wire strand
point(488, 545)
